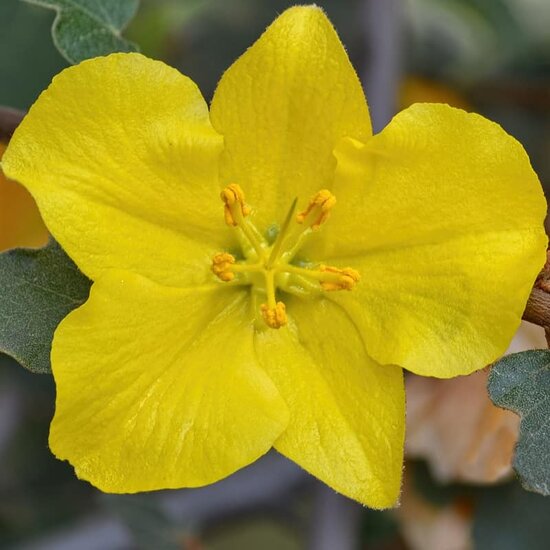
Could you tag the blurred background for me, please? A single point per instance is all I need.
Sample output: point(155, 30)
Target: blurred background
point(489, 56)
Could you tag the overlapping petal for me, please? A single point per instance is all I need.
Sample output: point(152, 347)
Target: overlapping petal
point(122, 160)
point(20, 222)
point(282, 107)
point(346, 411)
point(162, 380)
point(159, 387)
point(443, 216)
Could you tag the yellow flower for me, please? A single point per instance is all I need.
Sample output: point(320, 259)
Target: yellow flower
point(276, 316)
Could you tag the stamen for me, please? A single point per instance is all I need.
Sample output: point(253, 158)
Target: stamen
point(235, 210)
point(281, 236)
point(274, 317)
point(222, 264)
point(320, 205)
point(346, 278)
point(268, 269)
point(329, 277)
point(317, 212)
point(234, 205)
point(274, 313)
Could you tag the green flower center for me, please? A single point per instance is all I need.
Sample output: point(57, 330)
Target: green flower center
point(269, 268)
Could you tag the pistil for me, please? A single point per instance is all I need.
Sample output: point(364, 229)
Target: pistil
point(276, 249)
point(310, 221)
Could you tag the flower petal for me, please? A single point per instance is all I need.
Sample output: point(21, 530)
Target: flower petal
point(20, 222)
point(347, 413)
point(281, 108)
point(159, 387)
point(443, 216)
point(121, 158)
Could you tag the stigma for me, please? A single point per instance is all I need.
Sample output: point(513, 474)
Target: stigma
point(270, 268)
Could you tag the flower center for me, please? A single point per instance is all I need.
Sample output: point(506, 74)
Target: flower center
point(271, 269)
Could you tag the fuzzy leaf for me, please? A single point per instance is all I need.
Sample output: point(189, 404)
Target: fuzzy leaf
point(39, 288)
point(521, 383)
point(90, 28)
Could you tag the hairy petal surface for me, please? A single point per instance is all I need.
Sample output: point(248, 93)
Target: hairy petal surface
point(443, 216)
point(281, 108)
point(159, 387)
point(346, 411)
point(120, 156)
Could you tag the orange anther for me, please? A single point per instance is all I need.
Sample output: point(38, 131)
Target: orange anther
point(320, 204)
point(274, 317)
point(221, 266)
point(234, 205)
point(342, 279)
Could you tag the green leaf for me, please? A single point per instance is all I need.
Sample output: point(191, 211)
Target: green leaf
point(521, 383)
point(39, 288)
point(90, 28)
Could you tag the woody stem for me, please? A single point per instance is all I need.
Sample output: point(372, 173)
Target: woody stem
point(537, 309)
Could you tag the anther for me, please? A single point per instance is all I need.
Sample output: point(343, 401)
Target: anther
point(343, 279)
point(320, 204)
point(234, 205)
point(221, 266)
point(274, 317)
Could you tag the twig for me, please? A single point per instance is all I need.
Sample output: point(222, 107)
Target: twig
point(9, 120)
point(537, 309)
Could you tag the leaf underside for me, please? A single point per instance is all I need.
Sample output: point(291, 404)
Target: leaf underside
point(521, 383)
point(39, 287)
point(89, 28)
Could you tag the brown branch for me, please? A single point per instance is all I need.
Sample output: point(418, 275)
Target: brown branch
point(9, 120)
point(537, 309)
